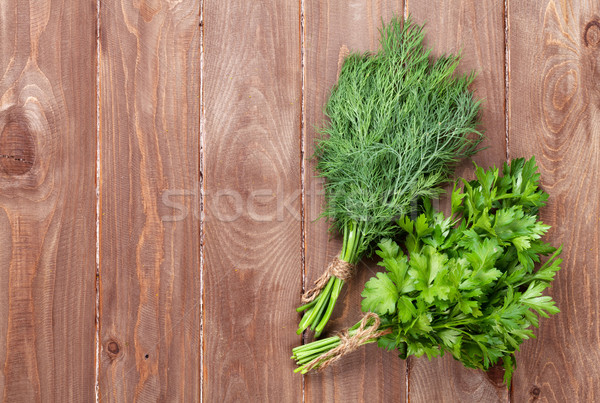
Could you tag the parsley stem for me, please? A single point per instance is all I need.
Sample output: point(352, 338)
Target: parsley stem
point(453, 324)
point(316, 343)
point(308, 352)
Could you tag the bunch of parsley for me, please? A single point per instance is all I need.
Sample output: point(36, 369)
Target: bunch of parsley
point(398, 123)
point(467, 284)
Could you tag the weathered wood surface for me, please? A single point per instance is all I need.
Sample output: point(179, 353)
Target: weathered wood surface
point(475, 29)
point(47, 200)
point(252, 253)
point(150, 229)
point(554, 94)
point(207, 202)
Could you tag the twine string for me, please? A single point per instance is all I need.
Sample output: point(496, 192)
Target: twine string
point(338, 268)
point(365, 333)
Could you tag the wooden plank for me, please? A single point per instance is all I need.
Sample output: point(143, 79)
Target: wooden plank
point(554, 98)
point(476, 27)
point(150, 236)
point(369, 374)
point(252, 239)
point(47, 200)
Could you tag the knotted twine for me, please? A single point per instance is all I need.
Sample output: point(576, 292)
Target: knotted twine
point(364, 334)
point(338, 268)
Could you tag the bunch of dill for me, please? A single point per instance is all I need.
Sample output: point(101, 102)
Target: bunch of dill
point(399, 122)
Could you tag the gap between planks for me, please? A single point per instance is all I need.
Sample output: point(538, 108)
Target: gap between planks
point(97, 282)
point(201, 196)
point(506, 117)
point(302, 171)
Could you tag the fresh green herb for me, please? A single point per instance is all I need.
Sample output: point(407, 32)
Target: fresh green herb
point(467, 284)
point(398, 123)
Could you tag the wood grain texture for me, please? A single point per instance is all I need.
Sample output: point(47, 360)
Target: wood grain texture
point(252, 253)
point(47, 200)
point(155, 167)
point(369, 374)
point(554, 97)
point(476, 29)
point(150, 238)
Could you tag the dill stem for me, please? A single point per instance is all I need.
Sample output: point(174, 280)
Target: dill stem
point(319, 311)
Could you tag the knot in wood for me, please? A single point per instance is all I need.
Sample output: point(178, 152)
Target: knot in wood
point(17, 148)
point(591, 34)
point(113, 347)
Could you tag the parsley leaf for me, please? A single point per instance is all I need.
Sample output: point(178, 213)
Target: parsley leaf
point(380, 295)
point(467, 285)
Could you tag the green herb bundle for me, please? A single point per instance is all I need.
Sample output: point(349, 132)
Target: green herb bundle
point(466, 285)
point(398, 123)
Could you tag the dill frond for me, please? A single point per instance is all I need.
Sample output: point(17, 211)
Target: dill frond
point(398, 122)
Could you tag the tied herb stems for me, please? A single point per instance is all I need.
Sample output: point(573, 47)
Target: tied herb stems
point(308, 352)
point(320, 309)
point(319, 354)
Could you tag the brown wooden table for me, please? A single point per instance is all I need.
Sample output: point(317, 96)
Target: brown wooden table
point(159, 210)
